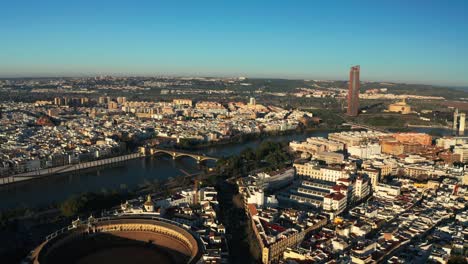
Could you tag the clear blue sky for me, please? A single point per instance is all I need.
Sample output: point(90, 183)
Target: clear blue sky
point(400, 40)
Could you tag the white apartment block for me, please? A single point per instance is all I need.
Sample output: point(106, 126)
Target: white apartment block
point(321, 173)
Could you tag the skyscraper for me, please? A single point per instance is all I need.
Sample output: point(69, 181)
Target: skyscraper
point(461, 124)
point(455, 119)
point(353, 91)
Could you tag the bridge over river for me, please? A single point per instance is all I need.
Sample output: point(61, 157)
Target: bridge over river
point(144, 151)
point(356, 125)
point(176, 153)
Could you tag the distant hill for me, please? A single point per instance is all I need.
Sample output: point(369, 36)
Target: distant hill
point(284, 85)
point(465, 89)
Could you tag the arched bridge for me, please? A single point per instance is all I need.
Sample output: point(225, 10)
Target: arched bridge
point(356, 125)
point(176, 153)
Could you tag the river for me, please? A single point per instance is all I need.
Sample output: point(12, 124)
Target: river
point(129, 175)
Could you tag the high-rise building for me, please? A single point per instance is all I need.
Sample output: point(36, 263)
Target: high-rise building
point(112, 105)
point(61, 101)
point(459, 122)
point(121, 100)
point(252, 101)
point(66, 100)
point(57, 101)
point(455, 119)
point(353, 91)
point(84, 100)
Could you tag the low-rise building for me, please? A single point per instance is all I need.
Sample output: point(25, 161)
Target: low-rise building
point(387, 191)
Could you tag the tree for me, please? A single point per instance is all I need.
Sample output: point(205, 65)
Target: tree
point(269, 156)
point(71, 206)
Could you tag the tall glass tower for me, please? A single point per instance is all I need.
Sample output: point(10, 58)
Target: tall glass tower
point(353, 91)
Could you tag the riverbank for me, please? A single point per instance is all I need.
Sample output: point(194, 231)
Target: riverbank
point(37, 174)
point(433, 131)
point(246, 138)
point(239, 139)
point(428, 126)
point(120, 176)
point(129, 174)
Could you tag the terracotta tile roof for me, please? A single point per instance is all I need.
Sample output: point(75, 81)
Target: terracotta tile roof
point(252, 209)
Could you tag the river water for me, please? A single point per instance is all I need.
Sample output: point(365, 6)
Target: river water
point(128, 175)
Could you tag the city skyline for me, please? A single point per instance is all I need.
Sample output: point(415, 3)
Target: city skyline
point(234, 132)
point(397, 42)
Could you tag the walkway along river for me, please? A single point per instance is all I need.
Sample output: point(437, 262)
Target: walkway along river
point(32, 175)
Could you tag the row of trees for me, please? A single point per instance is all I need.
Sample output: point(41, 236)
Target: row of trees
point(268, 156)
point(194, 144)
point(89, 202)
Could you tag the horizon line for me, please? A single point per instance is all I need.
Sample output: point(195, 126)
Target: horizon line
point(222, 77)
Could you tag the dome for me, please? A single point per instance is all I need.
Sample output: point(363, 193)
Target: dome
point(400, 107)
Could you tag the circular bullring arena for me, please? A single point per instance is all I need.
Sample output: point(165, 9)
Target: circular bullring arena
point(119, 240)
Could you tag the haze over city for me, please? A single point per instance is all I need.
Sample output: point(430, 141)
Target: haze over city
point(399, 41)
